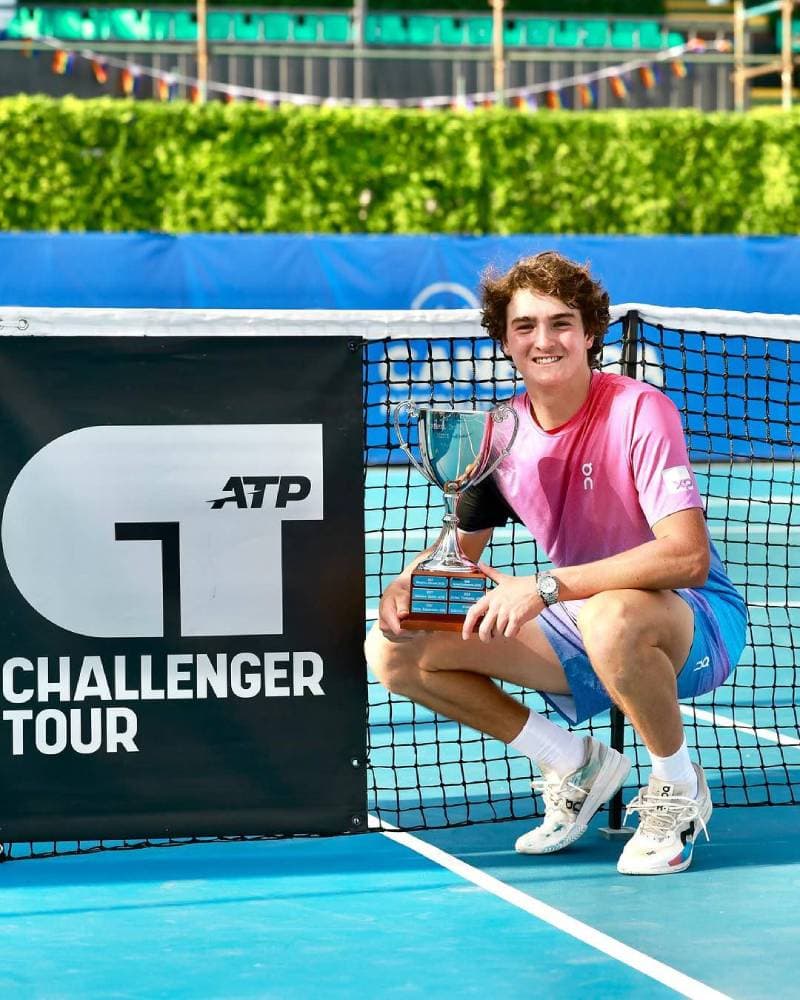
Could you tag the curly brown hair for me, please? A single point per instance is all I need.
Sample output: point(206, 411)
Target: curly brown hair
point(547, 273)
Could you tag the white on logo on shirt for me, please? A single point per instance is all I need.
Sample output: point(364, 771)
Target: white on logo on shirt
point(677, 479)
point(586, 469)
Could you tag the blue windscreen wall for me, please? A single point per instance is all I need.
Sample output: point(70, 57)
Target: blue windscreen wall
point(380, 272)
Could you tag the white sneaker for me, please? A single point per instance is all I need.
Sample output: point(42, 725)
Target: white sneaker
point(571, 801)
point(664, 842)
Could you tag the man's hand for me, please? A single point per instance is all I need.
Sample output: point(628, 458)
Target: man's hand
point(394, 607)
point(505, 609)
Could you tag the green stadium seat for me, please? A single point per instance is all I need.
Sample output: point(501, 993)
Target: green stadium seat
point(795, 35)
point(596, 34)
point(336, 28)
point(623, 35)
point(101, 24)
point(246, 27)
point(160, 25)
point(126, 24)
point(479, 31)
point(451, 31)
point(567, 35)
point(385, 29)
point(539, 32)
point(650, 35)
point(219, 26)
point(306, 28)
point(422, 30)
point(513, 34)
point(68, 24)
point(277, 27)
point(184, 26)
point(26, 23)
point(675, 38)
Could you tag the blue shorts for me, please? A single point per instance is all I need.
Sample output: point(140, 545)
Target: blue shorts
point(720, 627)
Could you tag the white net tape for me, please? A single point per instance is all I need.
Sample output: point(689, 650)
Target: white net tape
point(364, 324)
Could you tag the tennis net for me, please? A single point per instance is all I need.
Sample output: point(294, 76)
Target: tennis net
point(736, 381)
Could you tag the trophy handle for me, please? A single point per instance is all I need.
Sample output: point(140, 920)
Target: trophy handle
point(412, 412)
point(498, 413)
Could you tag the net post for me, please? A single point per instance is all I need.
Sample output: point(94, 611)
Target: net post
point(630, 354)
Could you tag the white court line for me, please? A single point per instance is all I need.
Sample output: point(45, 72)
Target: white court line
point(724, 721)
point(677, 981)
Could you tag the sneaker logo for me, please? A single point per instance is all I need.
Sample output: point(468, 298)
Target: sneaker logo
point(573, 806)
point(703, 664)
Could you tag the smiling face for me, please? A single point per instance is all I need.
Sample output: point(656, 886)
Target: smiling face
point(546, 341)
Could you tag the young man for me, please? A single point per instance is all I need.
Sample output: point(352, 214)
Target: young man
point(637, 610)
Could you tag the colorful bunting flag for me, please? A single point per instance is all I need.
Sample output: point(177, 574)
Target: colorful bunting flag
point(60, 63)
point(127, 81)
point(100, 71)
point(618, 87)
point(647, 76)
point(560, 94)
point(553, 100)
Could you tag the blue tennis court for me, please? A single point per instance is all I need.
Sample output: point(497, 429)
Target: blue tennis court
point(366, 914)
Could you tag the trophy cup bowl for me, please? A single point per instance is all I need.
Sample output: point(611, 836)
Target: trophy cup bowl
point(458, 449)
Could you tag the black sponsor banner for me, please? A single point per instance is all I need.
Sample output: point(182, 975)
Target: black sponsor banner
point(182, 591)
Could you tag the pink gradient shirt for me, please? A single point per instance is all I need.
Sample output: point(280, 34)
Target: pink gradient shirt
point(595, 486)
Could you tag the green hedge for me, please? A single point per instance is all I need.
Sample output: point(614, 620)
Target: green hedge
point(117, 165)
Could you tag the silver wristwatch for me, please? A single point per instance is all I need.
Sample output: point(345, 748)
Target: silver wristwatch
point(547, 586)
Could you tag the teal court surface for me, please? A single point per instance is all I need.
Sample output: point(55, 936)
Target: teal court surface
point(368, 915)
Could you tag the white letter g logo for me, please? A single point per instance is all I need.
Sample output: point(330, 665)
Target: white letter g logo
point(109, 532)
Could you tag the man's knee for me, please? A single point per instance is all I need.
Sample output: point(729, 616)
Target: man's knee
point(613, 625)
point(395, 664)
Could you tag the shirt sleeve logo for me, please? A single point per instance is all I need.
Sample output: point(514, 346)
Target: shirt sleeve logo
point(678, 479)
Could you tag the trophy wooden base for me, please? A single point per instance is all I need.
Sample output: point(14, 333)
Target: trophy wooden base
point(440, 600)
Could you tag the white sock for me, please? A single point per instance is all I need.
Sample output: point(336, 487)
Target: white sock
point(676, 769)
point(550, 745)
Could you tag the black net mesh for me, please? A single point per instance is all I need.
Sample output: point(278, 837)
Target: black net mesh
point(738, 397)
point(740, 401)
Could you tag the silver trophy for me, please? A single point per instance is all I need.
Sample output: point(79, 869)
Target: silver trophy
point(458, 449)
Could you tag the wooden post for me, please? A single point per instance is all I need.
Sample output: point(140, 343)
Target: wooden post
point(202, 51)
point(738, 55)
point(786, 55)
point(359, 32)
point(498, 51)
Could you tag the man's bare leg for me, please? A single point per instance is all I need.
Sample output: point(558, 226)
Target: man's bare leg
point(452, 677)
point(579, 774)
point(637, 641)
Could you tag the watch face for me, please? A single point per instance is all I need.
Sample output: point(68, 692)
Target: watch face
point(548, 586)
